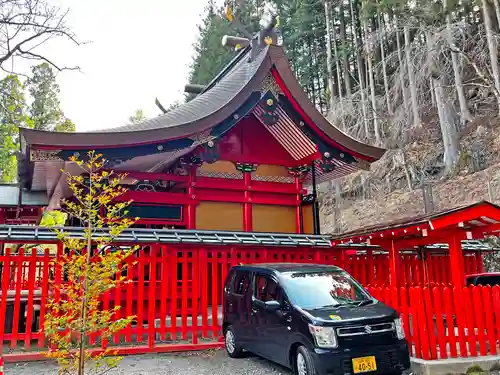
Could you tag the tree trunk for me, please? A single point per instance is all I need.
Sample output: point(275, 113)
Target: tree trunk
point(411, 78)
point(339, 77)
point(329, 59)
point(496, 4)
point(369, 55)
point(384, 71)
point(401, 65)
point(449, 130)
point(464, 110)
point(406, 169)
point(345, 59)
point(360, 67)
point(492, 47)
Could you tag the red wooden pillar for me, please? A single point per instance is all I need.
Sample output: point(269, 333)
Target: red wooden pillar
point(298, 210)
point(456, 262)
point(480, 262)
point(394, 265)
point(247, 206)
point(191, 210)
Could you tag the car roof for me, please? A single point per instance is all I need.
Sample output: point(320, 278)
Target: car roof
point(286, 267)
point(493, 274)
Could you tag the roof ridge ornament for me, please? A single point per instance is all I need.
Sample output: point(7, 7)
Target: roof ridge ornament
point(267, 35)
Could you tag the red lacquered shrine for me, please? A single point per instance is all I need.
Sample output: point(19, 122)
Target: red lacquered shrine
point(237, 157)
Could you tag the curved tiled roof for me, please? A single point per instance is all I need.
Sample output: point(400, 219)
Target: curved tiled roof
point(223, 96)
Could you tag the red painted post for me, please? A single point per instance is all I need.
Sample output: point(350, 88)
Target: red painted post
point(470, 311)
point(184, 290)
point(404, 310)
point(6, 259)
point(247, 206)
point(131, 285)
point(45, 291)
point(477, 302)
point(1, 365)
point(298, 210)
point(461, 320)
point(480, 262)
point(154, 251)
point(416, 318)
point(429, 310)
point(215, 293)
point(394, 265)
point(174, 256)
point(448, 309)
point(489, 315)
point(191, 211)
point(204, 288)
point(194, 295)
point(117, 302)
point(456, 262)
point(165, 276)
point(31, 291)
point(17, 298)
point(438, 312)
point(496, 309)
point(140, 295)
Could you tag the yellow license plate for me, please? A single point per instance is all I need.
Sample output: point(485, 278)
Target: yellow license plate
point(364, 364)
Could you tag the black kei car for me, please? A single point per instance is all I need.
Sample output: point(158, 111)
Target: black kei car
point(314, 319)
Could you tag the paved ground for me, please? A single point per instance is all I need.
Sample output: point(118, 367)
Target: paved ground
point(214, 362)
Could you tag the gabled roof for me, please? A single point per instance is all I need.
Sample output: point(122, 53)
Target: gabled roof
point(482, 218)
point(229, 91)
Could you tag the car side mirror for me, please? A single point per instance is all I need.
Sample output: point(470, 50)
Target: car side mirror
point(272, 305)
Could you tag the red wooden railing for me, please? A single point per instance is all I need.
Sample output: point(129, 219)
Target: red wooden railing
point(176, 295)
point(441, 322)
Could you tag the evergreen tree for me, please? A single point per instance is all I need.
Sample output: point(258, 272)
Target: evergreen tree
point(12, 115)
point(45, 111)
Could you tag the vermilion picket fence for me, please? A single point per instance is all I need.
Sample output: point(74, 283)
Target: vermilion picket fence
point(442, 322)
point(176, 294)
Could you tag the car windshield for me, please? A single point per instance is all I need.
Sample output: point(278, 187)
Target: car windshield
point(324, 289)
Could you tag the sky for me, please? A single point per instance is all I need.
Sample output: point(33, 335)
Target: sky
point(136, 51)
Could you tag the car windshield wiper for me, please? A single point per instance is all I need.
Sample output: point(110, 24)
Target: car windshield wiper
point(364, 302)
point(329, 306)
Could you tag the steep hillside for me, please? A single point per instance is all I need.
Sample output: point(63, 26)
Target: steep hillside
point(383, 195)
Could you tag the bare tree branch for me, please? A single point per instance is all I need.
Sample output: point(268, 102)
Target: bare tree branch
point(28, 24)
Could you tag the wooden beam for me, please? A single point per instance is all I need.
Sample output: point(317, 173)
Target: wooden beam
point(234, 41)
point(194, 89)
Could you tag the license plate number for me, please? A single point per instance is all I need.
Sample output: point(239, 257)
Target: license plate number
point(364, 364)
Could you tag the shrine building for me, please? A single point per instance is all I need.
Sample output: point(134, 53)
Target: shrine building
point(237, 157)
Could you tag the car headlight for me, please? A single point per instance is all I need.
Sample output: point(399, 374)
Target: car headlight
point(325, 337)
point(400, 332)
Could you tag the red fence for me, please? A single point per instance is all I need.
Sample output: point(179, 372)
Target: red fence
point(176, 295)
point(447, 323)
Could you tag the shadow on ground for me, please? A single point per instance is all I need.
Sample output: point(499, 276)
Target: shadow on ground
point(211, 362)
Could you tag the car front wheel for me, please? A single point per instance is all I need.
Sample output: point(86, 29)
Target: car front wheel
point(304, 363)
point(233, 349)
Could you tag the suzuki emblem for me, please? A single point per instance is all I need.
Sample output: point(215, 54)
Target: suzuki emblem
point(368, 329)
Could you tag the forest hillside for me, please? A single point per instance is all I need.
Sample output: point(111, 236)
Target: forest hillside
point(420, 78)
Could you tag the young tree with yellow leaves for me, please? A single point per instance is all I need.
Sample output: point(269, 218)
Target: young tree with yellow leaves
point(75, 312)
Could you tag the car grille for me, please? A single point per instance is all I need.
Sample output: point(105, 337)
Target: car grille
point(368, 329)
point(370, 334)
